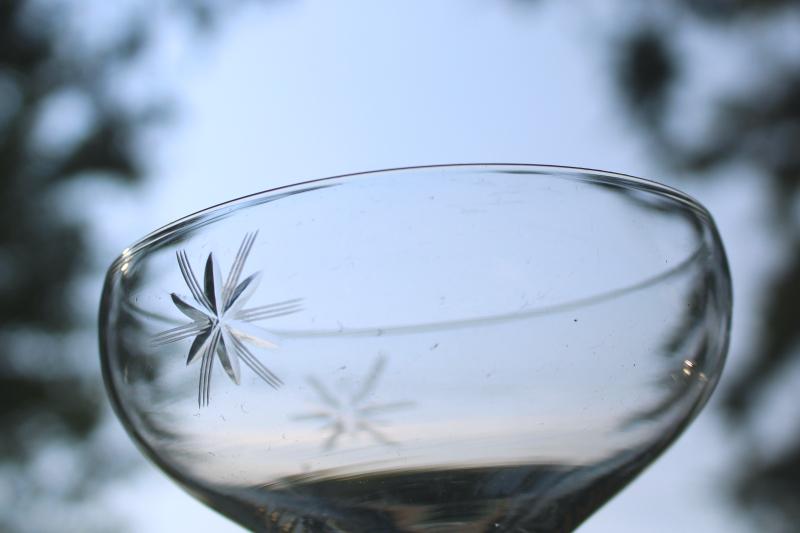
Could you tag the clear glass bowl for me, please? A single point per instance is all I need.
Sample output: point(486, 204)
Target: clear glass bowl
point(450, 348)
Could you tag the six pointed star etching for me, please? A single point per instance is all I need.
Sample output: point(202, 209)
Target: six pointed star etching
point(219, 322)
point(349, 413)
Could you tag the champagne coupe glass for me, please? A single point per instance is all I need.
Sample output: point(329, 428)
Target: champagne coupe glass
point(464, 348)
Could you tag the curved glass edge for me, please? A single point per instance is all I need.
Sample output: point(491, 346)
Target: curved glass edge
point(106, 338)
point(221, 210)
point(724, 303)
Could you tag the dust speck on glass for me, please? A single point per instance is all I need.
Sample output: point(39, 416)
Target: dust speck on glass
point(220, 324)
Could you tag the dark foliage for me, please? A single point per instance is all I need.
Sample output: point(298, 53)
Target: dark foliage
point(758, 125)
point(647, 69)
point(50, 392)
point(45, 396)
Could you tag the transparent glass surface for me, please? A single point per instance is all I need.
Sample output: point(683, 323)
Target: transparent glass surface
point(460, 348)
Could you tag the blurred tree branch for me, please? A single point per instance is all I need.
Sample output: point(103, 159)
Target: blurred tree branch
point(757, 125)
point(51, 400)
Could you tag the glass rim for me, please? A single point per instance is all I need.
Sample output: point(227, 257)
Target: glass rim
point(587, 174)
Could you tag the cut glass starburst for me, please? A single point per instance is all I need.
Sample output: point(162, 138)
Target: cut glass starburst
point(350, 412)
point(219, 322)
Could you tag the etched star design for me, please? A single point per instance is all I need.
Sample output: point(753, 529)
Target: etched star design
point(219, 322)
point(349, 413)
